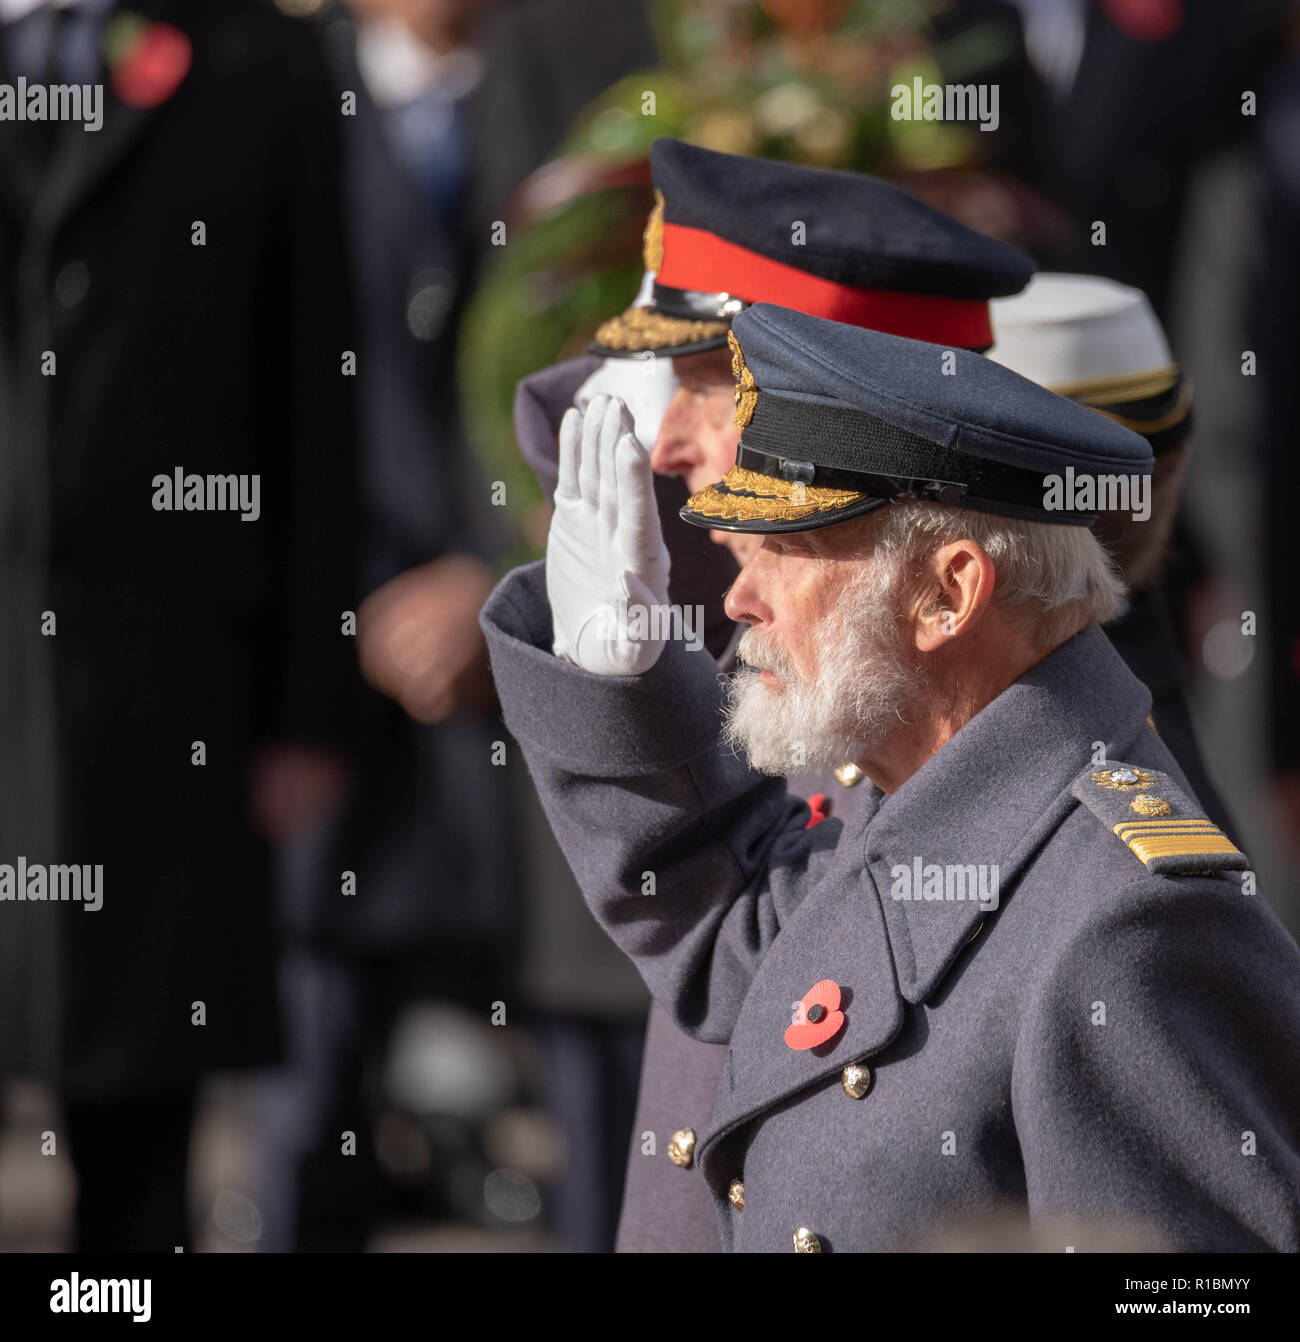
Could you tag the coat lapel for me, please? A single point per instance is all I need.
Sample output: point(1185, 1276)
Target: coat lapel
point(83, 160)
point(838, 932)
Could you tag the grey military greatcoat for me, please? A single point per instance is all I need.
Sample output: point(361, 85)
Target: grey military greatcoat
point(1105, 1040)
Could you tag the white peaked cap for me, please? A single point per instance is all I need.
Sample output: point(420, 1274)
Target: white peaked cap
point(1089, 338)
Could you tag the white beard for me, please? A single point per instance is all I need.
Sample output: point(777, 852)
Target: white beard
point(863, 688)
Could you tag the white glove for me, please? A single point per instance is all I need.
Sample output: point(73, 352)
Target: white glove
point(606, 562)
point(644, 385)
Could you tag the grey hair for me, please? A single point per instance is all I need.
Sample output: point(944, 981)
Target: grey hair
point(1056, 579)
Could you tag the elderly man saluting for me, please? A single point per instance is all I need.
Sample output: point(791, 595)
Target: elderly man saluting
point(1022, 972)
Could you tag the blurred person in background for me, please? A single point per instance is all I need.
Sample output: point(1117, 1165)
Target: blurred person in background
point(1276, 337)
point(1099, 343)
point(1164, 143)
point(462, 895)
point(175, 687)
point(544, 62)
point(1139, 95)
point(420, 829)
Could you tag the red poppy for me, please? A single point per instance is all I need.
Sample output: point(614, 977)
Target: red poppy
point(1146, 20)
point(150, 69)
point(819, 808)
point(819, 1016)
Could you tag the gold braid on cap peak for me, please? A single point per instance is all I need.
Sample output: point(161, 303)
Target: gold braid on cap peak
point(741, 477)
point(767, 497)
point(652, 240)
point(649, 329)
point(746, 391)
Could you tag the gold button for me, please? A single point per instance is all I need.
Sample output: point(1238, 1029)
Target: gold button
point(681, 1150)
point(806, 1242)
point(736, 1195)
point(849, 774)
point(856, 1080)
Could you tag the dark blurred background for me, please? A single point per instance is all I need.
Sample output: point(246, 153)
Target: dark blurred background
point(342, 992)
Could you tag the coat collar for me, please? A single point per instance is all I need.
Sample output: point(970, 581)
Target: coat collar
point(991, 795)
point(995, 791)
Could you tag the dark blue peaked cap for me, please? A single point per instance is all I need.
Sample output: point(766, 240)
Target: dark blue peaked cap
point(859, 230)
point(838, 420)
point(729, 231)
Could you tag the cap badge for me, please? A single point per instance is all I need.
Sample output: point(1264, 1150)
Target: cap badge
point(652, 240)
point(746, 391)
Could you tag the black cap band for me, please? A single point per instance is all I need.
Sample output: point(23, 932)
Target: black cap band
point(858, 451)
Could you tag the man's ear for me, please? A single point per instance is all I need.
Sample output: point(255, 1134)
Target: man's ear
point(958, 588)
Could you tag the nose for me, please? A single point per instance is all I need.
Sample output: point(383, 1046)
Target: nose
point(675, 451)
point(745, 603)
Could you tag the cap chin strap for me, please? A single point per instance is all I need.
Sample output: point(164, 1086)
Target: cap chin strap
point(893, 488)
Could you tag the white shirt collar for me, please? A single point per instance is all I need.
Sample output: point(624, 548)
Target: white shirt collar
point(398, 68)
point(13, 10)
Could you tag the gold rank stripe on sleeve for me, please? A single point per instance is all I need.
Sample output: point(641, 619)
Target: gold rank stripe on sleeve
point(1174, 838)
point(1165, 826)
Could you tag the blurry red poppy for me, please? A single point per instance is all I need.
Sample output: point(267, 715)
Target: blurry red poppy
point(152, 67)
point(1145, 20)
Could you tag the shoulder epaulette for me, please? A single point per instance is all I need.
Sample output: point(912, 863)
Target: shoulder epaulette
point(1149, 812)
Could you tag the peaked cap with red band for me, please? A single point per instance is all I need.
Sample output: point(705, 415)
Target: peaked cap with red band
point(729, 231)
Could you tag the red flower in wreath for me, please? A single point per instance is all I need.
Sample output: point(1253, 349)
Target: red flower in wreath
point(818, 1018)
point(147, 61)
